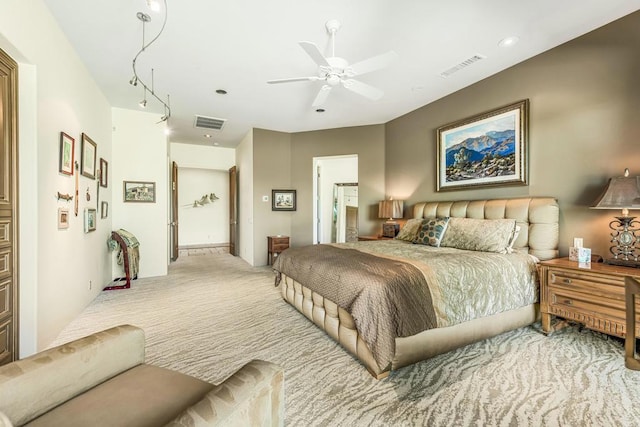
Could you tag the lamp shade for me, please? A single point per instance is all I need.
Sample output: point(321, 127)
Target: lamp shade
point(390, 209)
point(622, 192)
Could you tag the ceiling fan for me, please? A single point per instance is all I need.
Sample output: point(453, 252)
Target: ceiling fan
point(334, 70)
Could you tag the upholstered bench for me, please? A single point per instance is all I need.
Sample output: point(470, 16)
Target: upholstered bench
point(102, 380)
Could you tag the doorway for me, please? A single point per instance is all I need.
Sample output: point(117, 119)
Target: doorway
point(329, 171)
point(8, 210)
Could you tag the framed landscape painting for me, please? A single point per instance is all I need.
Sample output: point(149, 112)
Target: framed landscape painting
point(88, 157)
point(489, 149)
point(283, 200)
point(139, 191)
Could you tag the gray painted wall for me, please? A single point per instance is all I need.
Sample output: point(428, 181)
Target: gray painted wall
point(584, 127)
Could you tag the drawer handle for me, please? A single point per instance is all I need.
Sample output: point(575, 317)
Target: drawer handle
point(567, 281)
point(567, 302)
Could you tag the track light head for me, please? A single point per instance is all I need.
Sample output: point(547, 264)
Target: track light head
point(133, 81)
point(143, 103)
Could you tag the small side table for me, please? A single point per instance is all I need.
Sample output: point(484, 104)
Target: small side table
point(275, 246)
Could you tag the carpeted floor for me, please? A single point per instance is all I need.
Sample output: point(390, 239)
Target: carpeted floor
point(214, 313)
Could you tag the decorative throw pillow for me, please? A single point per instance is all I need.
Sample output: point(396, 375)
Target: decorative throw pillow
point(487, 235)
point(431, 231)
point(410, 230)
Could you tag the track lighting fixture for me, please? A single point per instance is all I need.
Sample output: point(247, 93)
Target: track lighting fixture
point(144, 18)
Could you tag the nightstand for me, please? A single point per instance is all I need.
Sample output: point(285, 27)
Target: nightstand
point(593, 296)
point(275, 246)
point(367, 238)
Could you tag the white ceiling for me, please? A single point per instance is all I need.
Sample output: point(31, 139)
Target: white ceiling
point(238, 45)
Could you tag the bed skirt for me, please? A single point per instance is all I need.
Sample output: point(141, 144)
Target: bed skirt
point(340, 326)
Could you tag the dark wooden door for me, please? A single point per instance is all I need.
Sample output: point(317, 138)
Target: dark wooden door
point(233, 211)
point(174, 211)
point(8, 210)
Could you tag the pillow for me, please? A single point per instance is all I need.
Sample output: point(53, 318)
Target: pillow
point(431, 231)
point(410, 230)
point(514, 237)
point(487, 235)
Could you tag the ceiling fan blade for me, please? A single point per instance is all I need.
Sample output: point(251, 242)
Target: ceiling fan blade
point(315, 54)
point(295, 79)
point(372, 64)
point(322, 95)
point(363, 89)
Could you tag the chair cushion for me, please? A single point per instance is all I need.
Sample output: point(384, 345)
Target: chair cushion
point(142, 396)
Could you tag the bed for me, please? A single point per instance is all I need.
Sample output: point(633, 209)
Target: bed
point(392, 303)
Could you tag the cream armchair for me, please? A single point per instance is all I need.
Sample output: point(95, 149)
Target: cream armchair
point(102, 380)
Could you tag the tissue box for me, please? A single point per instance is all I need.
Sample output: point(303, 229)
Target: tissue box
point(584, 255)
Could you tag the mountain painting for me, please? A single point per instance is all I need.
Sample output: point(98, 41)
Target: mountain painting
point(479, 152)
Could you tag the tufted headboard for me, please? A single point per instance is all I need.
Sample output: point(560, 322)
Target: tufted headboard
point(536, 216)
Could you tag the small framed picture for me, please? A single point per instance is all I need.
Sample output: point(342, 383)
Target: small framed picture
point(63, 218)
point(104, 172)
point(283, 200)
point(67, 149)
point(139, 191)
point(89, 220)
point(104, 210)
point(88, 157)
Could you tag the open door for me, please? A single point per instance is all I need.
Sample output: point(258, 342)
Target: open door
point(174, 211)
point(233, 211)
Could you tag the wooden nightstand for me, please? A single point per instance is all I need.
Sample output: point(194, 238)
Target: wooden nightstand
point(592, 296)
point(275, 246)
point(367, 238)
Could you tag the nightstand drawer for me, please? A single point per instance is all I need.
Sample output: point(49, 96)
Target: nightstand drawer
point(562, 300)
point(279, 247)
point(594, 284)
point(275, 241)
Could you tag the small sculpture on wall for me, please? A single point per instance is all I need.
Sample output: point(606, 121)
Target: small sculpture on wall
point(206, 199)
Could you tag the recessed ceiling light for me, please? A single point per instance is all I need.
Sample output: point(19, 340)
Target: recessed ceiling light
point(216, 143)
point(320, 110)
point(221, 91)
point(508, 41)
point(206, 135)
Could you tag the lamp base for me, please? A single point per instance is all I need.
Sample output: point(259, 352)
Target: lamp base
point(622, 262)
point(390, 229)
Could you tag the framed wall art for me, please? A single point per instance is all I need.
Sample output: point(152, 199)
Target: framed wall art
point(283, 200)
point(89, 220)
point(139, 191)
point(489, 149)
point(88, 157)
point(104, 210)
point(63, 218)
point(104, 172)
point(67, 150)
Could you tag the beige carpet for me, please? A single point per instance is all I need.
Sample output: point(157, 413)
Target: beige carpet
point(214, 313)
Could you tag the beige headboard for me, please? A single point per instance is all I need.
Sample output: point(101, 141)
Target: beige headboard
point(536, 216)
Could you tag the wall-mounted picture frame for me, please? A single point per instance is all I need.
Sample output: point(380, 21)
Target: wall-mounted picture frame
point(67, 151)
point(104, 172)
point(88, 157)
point(489, 149)
point(104, 210)
point(63, 218)
point(90, 216)
point(283, 200)
point(139, 191)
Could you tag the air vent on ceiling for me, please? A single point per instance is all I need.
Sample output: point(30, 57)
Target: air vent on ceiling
point(461, 65)
point(209, 123)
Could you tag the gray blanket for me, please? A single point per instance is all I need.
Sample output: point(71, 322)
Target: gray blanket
point(358, 281)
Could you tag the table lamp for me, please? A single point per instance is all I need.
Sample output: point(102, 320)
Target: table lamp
point(390, 209)
point(622, 192)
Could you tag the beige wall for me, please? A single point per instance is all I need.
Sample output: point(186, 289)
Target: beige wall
point(272, 157)
point(584, 127)
point(368, 142)
point(244, 159)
